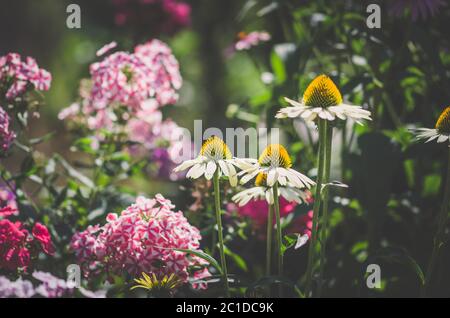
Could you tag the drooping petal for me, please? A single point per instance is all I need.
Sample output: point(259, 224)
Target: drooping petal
point(210, 170)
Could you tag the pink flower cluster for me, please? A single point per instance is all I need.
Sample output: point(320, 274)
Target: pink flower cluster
point(7, 136)
point(123, 84)
point(151, 72)
point(125, 94)
point(141, 239)
point(17, 246)
point(155, 16)
point(17, 75)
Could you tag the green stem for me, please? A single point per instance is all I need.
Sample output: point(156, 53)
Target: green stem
point(279, 235)
point(325, 215)
point(440, 234)
point(269, 240)
point(312, 245)
point(220, 234)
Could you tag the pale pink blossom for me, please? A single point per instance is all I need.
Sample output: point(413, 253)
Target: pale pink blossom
point(248, 40)
point(141, 239)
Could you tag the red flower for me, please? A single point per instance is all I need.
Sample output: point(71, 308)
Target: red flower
point(7, 211)
point(12, 240)
point(40, 233)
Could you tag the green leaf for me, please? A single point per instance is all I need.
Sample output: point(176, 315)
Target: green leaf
point(238, 260)
point(75, 173)
point(288, 241)
point(401, 256)
point(278, 68)
point(39, 140)
point(211, 260)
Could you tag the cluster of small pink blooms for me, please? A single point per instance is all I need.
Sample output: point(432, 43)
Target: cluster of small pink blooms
point(129, 79)
point(125, 85)
point(164, 72)
point(48, 286)
point(7, 136)
point(248, 40)
point(17, 75)
point(155, 16)
point(17, 245)
point(141, 239)
point(124, 97)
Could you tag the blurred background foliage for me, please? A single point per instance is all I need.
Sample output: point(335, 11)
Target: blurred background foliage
point(401, 72)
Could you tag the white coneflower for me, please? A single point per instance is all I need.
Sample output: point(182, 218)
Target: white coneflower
point(272, 169)
point(214, 160)
point(214, 156)
point(322, 103)
point(276, 164)
point(441, 132)
point(261, 191)
point(322, 99)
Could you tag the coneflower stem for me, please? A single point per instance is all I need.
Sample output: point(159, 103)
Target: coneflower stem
point(316, 208)
point(223, 262)
point(325, 215)
point(440, 233)
point(279, 235)
point(269, 240)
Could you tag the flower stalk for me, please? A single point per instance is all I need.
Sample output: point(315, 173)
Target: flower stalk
point(316, 208)
point(325, 214)
point(279, 234)
point(220, 233)
point(440, 233)
point(269, 240)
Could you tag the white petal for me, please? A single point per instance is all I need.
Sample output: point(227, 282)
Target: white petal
point(185, 165)
point(210, 170)
point(196, 171)
point(272, 177)
point(246, 178)
point(293, 102)
point(301, 240)
point(269, 197)
point(442, 138)
point(224, 168)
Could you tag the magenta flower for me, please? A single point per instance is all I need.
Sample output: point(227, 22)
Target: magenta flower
point(257, 210)
point(154, 16)
point(418, 8)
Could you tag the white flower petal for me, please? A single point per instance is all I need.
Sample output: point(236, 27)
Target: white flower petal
point(196, 171)
point(210, 170)
point(301, 240)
